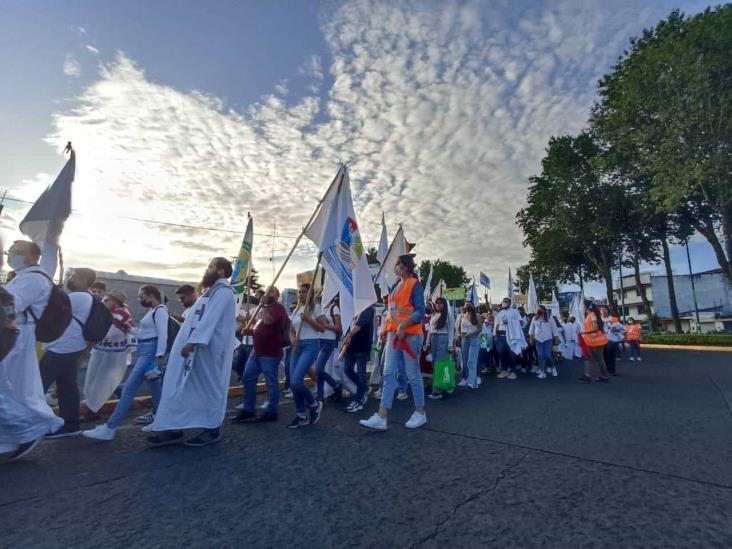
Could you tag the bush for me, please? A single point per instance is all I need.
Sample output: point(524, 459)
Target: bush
point(687, 339)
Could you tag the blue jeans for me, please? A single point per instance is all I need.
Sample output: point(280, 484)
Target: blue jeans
point(396, 358)
point(470, 347)
point(505, 354)
point(326, 349)
point(544, 351)
point(288, 356)
point(302, 359)
point(357, 374)
point(438, 347)
point(634, 348)
point(145, 355)
point(269, 366)
point(241, 355)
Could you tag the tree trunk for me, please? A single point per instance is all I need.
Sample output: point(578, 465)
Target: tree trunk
point(641, 289)
point(671, 290)
point(707, 231)
point(727, 231)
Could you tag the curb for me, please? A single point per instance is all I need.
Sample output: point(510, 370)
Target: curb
point(146, 401)
point(687, 347)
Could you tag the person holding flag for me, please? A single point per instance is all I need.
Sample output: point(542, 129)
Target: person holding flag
point(403, 342)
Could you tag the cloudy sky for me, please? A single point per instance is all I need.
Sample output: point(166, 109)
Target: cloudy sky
point(195, 113)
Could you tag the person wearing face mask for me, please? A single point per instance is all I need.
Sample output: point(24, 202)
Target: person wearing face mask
point(24, 407)
point(632, 334)
point(543, 333)
point(152, 342)
point(60, 362)
point(468, 340)
point(509, 338)
point(615, 332)
point(403, 334)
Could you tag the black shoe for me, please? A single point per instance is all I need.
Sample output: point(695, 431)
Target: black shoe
point(299, 421)
point(315, 412)
point(245, 416)
point(615, 374)
point(267, 416)
point(585, 379)
point(64, 432)
point(204, 438)
point(24, 449)
point(165, 438)
point(602, 380)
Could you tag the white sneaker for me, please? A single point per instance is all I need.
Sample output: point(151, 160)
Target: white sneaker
point(288, 394)
point(374, 422)
point(534, 369)
point(239, 406)
point(639, 359)
point(541, 375)
point(632, 359)
point(511, 376)
point(402, 396)
point(264, 406)
point(471, 386)
point(478, 381)
point(100, 432)
point(503, 374)
point(377, 394)
point(417, 420)
point(554, 372)
point(463, 382)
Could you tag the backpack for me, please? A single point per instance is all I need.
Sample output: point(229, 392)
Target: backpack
point(56, 316)
point(97, 325)
point(8, 336)
point(173, 329)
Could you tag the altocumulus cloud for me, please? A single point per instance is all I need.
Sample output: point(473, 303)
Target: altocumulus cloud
point(443, 110)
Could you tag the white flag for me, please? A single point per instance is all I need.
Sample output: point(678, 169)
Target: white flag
point(335, 231)
point(387, 276)
point(509, 292)
point(473, 297)
point(427, 286)
point(532, 302)
point(383, 242)
point(439, 289)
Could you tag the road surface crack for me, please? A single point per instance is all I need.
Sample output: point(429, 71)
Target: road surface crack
point(471, 498)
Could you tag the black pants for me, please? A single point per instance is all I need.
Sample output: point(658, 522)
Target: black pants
point(64, 370)
point(611, 353)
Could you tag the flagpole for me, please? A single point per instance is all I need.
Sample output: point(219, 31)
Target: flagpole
point(61, 266)
point(297, 241)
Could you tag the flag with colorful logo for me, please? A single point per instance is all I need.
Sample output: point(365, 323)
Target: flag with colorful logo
point(336, 233)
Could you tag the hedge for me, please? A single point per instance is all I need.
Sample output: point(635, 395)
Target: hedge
point(687, 339)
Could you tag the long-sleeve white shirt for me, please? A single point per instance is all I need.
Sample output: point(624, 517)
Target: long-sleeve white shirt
point(543, 330)
point(503, 317)
point(158, 328)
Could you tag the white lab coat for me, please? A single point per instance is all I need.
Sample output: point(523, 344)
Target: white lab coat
point(195, 390)
point(24, 413)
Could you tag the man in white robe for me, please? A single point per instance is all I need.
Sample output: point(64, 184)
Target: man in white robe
point(196, 381)
point(25, 417)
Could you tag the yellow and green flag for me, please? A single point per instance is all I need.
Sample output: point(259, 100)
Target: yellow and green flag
point(243, 267)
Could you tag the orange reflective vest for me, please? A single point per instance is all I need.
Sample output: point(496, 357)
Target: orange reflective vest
point(596, 339)
point(400, 308)
point(632, 332)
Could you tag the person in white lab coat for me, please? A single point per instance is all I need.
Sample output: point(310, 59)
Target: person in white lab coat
point(25, 417)
point(196, 384)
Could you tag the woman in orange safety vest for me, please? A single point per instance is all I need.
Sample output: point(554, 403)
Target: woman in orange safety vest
point(596, 340)
point(632, 336)
point(403, 334)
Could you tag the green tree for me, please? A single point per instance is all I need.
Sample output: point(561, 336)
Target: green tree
point(371, 254)
point(453, 275)
point(545, 281)
point(667, 105)
point(572, 217)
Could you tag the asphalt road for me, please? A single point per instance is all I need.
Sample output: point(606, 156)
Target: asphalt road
point(642, 462)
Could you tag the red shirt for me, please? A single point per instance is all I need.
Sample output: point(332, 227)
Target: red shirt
point(268, 337)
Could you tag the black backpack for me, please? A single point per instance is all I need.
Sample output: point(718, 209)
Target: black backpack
point(97, 325)
point(8, 335)
point(173, 329)
point(56, 317)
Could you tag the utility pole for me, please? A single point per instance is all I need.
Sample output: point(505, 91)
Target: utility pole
point(622, 287)
point(693, 286)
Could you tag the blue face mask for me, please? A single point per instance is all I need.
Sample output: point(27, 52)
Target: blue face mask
point(16, 262)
